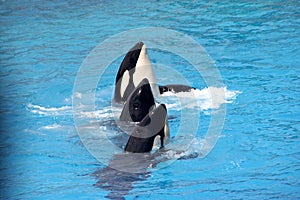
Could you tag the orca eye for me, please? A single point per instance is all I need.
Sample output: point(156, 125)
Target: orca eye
point(136, 106)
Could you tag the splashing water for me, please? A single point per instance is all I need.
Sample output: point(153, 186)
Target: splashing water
point(102, 119)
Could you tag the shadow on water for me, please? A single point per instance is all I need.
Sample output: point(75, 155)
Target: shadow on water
point(118, 183)
point(127, 168)
point(124, 170)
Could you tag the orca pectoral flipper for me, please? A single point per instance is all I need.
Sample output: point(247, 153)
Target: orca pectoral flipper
point(175, 88)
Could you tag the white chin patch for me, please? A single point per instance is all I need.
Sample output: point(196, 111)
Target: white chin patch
point(124, 83)
point(143, 70)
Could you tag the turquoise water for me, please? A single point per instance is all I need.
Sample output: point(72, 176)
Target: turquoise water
point(255, 46)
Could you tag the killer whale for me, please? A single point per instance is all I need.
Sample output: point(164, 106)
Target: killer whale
point(152, 127)
point(134, 68)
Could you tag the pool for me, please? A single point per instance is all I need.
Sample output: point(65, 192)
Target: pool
point(255, 47)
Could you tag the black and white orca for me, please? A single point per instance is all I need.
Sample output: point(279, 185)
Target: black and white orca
point(150, 132)
point(134, 68)
point(140, 107)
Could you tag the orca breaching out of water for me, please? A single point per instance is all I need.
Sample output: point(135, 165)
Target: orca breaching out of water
point(136, 89)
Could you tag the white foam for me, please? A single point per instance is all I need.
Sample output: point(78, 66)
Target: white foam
point(51, 127)
point(51, 111)
point(78, 95)
point(97, 114)
point(68, 110)
point(205, 99)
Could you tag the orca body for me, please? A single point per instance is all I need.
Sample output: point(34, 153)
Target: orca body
point(134, 68)
point(153, 126)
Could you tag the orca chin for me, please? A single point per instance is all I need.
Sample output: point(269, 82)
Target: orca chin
point(151, 128)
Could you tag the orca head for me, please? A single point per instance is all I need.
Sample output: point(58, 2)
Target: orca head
point(135, 66)
point(153, 126)
point(139, 103)
point(124, 76)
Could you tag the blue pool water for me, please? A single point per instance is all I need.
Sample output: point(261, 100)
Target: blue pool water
point(256, 47)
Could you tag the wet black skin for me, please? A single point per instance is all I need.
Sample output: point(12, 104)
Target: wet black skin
point(175, 88)
point(142, 138)
point(128, 63)
point(139, 103)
